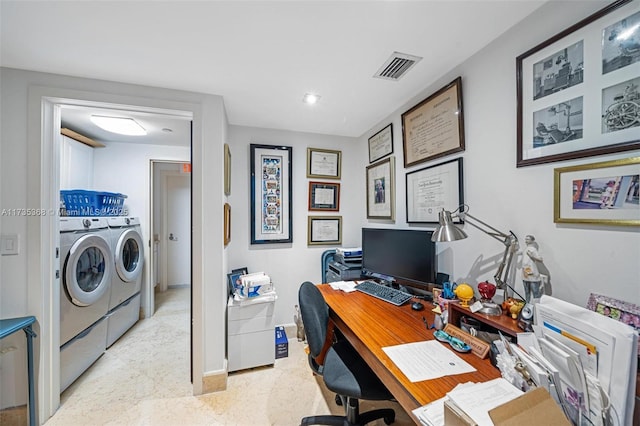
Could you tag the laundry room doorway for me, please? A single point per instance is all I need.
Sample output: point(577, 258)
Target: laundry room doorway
point(171, 220)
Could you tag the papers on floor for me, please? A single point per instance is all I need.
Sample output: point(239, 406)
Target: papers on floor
point(346, 286)
point(426, 360)
point(473, 399)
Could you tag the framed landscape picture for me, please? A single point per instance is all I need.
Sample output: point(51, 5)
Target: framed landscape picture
point(604, 193)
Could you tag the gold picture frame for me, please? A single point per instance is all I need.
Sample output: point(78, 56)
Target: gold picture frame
point(324, 163)
point(604, 193)
point(227, 169)
point(381, 189)
point(324, 230)
point(227, 224)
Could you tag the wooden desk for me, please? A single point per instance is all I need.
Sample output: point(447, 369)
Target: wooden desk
point(370, 324)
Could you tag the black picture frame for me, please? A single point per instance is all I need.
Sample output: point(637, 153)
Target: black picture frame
point(271, 194)
point(432, 189)
point(572, 91)
point(324, 196)
point(381, 144)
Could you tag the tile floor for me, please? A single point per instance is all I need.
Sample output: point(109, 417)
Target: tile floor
point(143, 379)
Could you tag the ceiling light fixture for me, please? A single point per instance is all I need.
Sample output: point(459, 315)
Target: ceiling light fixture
point(120, 125)
point(310, 98)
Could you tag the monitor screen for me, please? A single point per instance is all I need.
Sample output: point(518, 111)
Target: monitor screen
point(405, 256)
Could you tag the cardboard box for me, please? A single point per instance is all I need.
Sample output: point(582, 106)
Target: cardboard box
point(282, 343)
point(533, 408)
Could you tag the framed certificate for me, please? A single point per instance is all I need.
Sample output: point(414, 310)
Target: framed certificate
point(432, 189)
point(381, 144)
point(323, 163)
point(435, 127)
point(324, 196)
point(324, 230)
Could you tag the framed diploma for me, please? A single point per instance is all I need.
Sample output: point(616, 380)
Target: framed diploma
point(432, 189)
point(381, 189)
point(381, 144)
point(323, 163)
point(435, 127)
point(271, 207)
point(324, 230)
point(324, 196)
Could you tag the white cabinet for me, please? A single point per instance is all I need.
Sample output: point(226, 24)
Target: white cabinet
point(250, 334)
point(76, 165)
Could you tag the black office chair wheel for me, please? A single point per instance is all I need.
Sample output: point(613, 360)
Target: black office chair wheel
point(389, 419)
point(339, 400)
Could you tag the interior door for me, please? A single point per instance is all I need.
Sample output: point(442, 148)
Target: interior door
point(178, 228)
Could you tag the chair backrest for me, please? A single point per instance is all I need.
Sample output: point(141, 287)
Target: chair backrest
point(315, 316)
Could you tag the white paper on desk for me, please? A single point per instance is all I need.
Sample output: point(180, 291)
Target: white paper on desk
point(478, 399)
point(426, 360)
point(346, 286)
point(432, 414)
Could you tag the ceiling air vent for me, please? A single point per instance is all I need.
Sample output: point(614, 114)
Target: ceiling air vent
point(396, 66)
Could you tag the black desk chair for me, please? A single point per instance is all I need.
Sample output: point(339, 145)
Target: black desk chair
point(343, 370)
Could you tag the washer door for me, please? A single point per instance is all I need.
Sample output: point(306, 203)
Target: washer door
point(129, 255)
point(87, 273)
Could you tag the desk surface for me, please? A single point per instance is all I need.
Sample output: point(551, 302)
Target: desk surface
point(371, 324)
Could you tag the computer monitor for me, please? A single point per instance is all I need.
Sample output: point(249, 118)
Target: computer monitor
point(403, 256)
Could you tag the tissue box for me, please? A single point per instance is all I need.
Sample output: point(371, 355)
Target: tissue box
point(256, 284)
point(282, 343)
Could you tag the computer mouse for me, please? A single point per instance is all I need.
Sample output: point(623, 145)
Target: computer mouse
point(417, 306)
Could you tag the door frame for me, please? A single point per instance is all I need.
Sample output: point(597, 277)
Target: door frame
point(43, 136)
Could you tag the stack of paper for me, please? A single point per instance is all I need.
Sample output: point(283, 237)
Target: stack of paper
point(471, 400)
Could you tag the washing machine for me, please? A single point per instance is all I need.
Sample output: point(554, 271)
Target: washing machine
point(128, 254)
point(86, 264)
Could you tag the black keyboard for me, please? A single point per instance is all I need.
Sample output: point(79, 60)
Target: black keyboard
point(382, 292)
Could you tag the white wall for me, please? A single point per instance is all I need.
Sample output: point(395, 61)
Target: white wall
point(290, 264)
point(126, 168)
point(581, 258)
point(25, 288)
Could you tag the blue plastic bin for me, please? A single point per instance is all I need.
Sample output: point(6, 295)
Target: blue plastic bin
point(79, 202)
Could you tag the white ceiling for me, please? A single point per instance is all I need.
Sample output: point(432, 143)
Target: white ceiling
point(260, 56)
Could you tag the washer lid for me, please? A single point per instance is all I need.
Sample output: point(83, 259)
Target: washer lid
point(87, 274)
point(129, 255)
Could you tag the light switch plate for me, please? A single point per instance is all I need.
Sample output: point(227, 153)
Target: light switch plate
point(9, 244)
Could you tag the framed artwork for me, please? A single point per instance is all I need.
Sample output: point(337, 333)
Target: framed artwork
point(432, 189)
point(227, 224)
point(578, 92)
point(323, 163)
point(605, 193)
point(618, 310)
point(227, 170)
point(324, 196)
point(271, 206)
point(435, 127)
point(244, 270)
point(324, 230)
point(233, 282)
point(381, 189)
point(381, 144)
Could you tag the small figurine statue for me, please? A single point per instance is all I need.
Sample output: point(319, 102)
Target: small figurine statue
point(533, 281)
point(297, 318)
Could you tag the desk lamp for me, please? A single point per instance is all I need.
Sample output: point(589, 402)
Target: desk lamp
point(447, 231)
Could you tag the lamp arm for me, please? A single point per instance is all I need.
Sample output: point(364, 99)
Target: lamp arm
point(498, 235)
point(502, 274)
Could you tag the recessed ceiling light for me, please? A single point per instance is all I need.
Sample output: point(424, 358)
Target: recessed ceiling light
point(310, 98)
point(120, 125)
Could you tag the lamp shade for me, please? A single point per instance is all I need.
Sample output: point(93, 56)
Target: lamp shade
point(447, 231)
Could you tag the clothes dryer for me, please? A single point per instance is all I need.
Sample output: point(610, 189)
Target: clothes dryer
point(128, 254)
point(86, 262)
